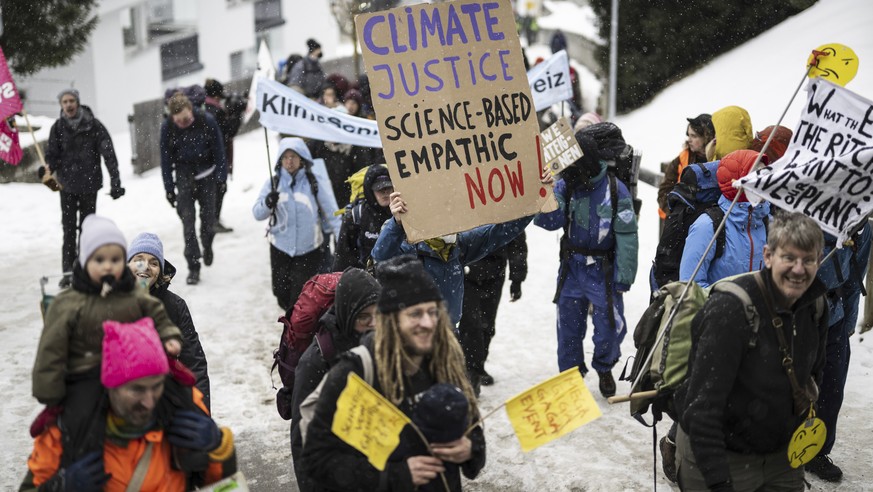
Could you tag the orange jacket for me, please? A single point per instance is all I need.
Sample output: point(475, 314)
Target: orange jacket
point(121, 461)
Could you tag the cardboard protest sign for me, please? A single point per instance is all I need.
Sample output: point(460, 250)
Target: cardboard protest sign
point(827, 171)
point(455, 114)
point(550, 81)
point(285, 110)
point(559, 146)
point(551, 409)
point(368, 422)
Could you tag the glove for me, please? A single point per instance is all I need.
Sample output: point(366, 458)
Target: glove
point(272, 199)
point(514, 291)
point(86, 474)
point(40, 172)
point(222, 187)
point(171, 197)
point(192, 430)
point(116, 192)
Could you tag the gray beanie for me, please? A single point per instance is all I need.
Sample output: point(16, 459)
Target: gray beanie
point(70, 91)
point(146, 242)
point(98, 231)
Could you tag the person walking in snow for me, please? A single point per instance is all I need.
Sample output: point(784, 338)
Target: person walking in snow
point(352, 315)
point(229, 125)
point(363, 221)
point(76, 143)
point(192, 152)
point(598, 261)
point(698, 134)
point(145, 258)
point(418, 366)
point(301, 211)
point(307, 73)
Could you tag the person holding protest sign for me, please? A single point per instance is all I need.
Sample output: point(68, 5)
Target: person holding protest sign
point(76, 143)
point(698, 134)
point(598, 261)
point(413, 352)
point(445, 257)
point(299, 216)
point(741, 403)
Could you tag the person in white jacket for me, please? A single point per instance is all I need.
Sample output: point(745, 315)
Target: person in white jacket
point(299, 202)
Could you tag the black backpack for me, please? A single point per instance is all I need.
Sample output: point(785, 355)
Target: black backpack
point(696, 193)
point(622, 161)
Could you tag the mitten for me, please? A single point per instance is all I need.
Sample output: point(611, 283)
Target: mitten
point(272, 199)
point(514, 291)
point(193, 430)
point(171, 197)
point(85, 475)
point(116, 192)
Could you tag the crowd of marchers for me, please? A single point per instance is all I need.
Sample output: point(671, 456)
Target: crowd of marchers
point(123, 377)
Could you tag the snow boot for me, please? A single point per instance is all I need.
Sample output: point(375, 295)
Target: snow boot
point(607, 384)
point(668, 458)
point(824, 468)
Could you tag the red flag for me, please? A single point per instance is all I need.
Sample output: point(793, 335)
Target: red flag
point(10, 149)
point(10, 103)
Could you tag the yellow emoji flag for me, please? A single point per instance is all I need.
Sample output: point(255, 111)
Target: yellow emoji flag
point(368, 422)
point(835, 62)
point(551, 409)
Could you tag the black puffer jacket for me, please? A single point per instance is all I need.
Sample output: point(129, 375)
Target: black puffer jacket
point(74, 155)
point(738, 398)
point(192, 352)
point(362, 222)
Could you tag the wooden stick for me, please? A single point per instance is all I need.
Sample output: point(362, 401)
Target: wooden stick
point(33, 135)
point(632, 396)
point(492, 412)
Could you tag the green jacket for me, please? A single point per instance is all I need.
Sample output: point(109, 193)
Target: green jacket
point(72, 338)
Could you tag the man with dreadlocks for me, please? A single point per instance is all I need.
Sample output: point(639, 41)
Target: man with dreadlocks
point(415, 354)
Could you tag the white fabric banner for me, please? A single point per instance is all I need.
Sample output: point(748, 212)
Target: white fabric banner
point(827, 171)
point(550, 81)
point(285, 110)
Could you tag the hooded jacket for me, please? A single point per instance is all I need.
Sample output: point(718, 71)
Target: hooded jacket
point(590, 216)
point(72, 338)
point(335, 466)
point(361, 225)
point(302, 216)
point(355, 291)
point(738, 398)
point(74, 154)
point(842, 274)
point(448, 273)
point(193, 150)
point(733, 130)
point(192, 355)
point(745, 231)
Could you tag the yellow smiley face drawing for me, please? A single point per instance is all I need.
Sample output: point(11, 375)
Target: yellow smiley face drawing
point(806, 442)
point(835, 62)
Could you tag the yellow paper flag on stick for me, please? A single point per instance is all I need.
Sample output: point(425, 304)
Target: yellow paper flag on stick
point(368, 422)
point(551, 409)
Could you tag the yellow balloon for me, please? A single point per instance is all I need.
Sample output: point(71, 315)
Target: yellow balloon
point(836, 62)
point(806, 442)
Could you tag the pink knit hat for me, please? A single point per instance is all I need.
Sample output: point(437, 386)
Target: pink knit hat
point(131, 351)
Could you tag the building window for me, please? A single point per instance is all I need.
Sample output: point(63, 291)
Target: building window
point(180, 57)
point(268, 14)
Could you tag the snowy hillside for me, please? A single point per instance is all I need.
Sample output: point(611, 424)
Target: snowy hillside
point(235, 312)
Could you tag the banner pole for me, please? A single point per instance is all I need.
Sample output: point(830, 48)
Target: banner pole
point(33, 136)
point(478, 422)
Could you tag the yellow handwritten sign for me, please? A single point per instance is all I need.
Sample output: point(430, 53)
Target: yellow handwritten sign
point(368, 422)
point(806, 441)
point(836, 62)
point(551, 409)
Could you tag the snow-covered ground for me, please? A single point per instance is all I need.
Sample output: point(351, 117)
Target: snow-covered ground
point(235, 312)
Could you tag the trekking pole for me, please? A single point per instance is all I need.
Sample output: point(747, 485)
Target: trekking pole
point(635, 396)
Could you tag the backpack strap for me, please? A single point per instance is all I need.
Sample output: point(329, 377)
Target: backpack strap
point(716, 214)
point(749, 309)
point(357, 211)
point(325, 344)
point(142, 467)
point(366, 361)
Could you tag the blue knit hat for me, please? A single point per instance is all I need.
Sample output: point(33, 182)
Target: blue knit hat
point(146, 242)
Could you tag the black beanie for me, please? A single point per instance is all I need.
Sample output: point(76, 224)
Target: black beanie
point(441, 413)
point(312, 45)
point(405, 283)
point(214, 88)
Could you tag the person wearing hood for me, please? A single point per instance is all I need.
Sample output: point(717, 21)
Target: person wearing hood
point(145, 258)
point(300, 205)
point(598, 261)
point(363, 220)
point(733, 131)
point(340, 329)
point(745, 231)
point(77, 141)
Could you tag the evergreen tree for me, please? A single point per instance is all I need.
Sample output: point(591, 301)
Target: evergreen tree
point(661, 42)
point(45, 33)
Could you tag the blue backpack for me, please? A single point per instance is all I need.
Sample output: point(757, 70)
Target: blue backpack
point(696, 193)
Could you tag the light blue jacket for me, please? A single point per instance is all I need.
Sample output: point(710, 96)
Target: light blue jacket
point(745, 237)
point(299, 229)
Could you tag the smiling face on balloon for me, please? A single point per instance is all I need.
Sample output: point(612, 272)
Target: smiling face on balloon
point(836, 62)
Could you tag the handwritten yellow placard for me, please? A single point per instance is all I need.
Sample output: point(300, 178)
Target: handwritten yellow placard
point(368, 422)
point(551, 409)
